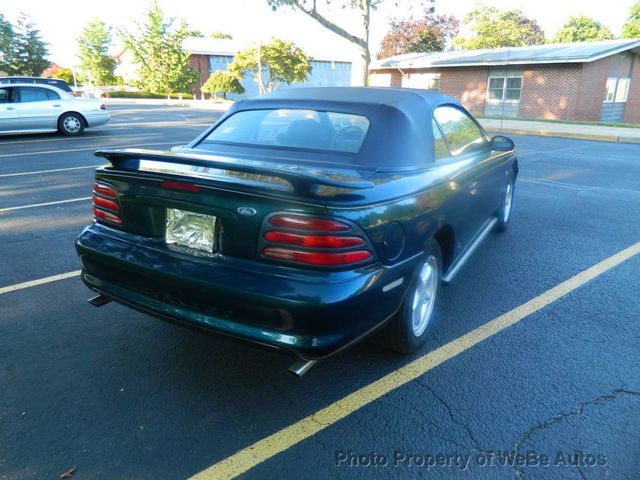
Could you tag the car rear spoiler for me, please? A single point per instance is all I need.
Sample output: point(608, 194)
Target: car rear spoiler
point(301, 179)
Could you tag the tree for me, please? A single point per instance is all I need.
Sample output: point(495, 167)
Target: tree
point(156, 47)
point(29, 50)
point(93, 52)
point(6, 44)
point(429, 34)
point(494, 28)
point(283, 61)
point(363, 9)
point(56, 71)
point(582, 29)
point(220, 35)
point(223, 82)
point(631, 28)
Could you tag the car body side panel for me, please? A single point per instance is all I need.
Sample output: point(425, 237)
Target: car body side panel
point(9, 116)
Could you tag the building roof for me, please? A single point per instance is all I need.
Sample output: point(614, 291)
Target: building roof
point(579, 52)
point(222, 46)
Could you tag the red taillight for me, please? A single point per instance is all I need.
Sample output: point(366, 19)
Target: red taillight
point(317, 258)
point(101, 190)
point(185, 187)
point(106, 216)
point(104, 203)
point(313, 241)
point(104, 189)
point(299, 222)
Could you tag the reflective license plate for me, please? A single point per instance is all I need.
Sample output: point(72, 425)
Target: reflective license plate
point(190, 232)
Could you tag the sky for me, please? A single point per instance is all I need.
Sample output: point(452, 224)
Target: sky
point(253, 20)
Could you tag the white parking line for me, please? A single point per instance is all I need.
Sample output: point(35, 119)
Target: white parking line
point(40, 281)
point(46, 204)
point(21, 142)
point(85, 149)
point(46, 171)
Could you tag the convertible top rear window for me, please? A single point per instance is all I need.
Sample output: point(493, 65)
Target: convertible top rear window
point(293, 128)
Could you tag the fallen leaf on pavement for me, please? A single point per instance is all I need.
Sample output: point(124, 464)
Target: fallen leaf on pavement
point(69, 473)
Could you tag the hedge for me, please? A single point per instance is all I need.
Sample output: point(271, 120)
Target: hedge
point(123, 94)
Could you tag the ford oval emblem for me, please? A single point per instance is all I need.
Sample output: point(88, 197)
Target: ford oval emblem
point(246, 211)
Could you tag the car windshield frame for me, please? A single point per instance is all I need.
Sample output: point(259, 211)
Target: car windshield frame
point(322, 120)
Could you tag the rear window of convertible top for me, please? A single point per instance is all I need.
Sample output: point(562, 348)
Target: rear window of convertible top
point(293, 128)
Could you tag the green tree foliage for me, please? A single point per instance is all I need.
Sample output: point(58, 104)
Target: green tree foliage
point(362, 9)
point(93, 52)
point(29, 56)
point(582, 29)
point(55, 71)
point(6, 44)
point(220, 35)
point(282, 61)
point(631, 28)
point(429, 34)
point(223, 82)
point(156, 47)
point(494, 28)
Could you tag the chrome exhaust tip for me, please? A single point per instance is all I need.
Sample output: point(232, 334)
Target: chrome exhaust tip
point(301, 367)
point(99, 300)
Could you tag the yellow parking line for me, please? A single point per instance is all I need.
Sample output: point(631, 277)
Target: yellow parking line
point(40, 281)
point(286, 438)
point(46, 204)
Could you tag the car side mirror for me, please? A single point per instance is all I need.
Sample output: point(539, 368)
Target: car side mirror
point(502, 144)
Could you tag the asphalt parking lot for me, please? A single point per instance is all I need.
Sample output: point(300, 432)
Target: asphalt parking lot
point(118, 394)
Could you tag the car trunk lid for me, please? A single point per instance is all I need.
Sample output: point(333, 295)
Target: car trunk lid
point(235, 194)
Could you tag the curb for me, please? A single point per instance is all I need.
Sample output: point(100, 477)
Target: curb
point(578, 136)
point(197, 104)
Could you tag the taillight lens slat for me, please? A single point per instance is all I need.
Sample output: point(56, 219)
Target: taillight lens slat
point(106, 216)
point(313, 241)
point(104, 203)
point(317, 258)
point(104, 189)
point(299, 222)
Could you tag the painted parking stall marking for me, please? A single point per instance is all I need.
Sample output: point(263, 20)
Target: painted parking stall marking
point(286, 438)
point(40, 281)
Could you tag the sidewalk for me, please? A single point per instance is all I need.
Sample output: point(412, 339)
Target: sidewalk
point(566, 130)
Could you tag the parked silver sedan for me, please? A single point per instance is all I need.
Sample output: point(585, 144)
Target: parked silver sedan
point(29, 108)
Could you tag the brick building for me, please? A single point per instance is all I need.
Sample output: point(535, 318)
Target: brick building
point(597, 81)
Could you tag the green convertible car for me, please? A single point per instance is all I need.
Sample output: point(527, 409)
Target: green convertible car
point(304, 220)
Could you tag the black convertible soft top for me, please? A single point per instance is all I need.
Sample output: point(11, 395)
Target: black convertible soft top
point(400, 132)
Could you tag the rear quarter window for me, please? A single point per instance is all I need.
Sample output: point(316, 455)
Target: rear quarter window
point(461, 133)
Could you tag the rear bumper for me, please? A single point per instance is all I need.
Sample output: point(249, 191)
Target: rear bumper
point(310, 313)
point(95, 119)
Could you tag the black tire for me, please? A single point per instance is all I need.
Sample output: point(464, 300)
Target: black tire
point(399, 335)
point(506, 205)
point(71, 124)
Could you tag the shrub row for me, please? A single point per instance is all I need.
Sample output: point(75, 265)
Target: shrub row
point(123, 94)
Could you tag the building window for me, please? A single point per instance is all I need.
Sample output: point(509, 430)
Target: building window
point(504, 89)
point(616, 90)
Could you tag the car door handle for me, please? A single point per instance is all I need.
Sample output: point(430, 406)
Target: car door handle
point(57, 105)
point(10, 108)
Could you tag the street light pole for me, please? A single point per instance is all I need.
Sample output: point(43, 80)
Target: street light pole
point(259, 70)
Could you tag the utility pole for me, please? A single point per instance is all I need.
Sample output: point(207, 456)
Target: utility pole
point(259, 70)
